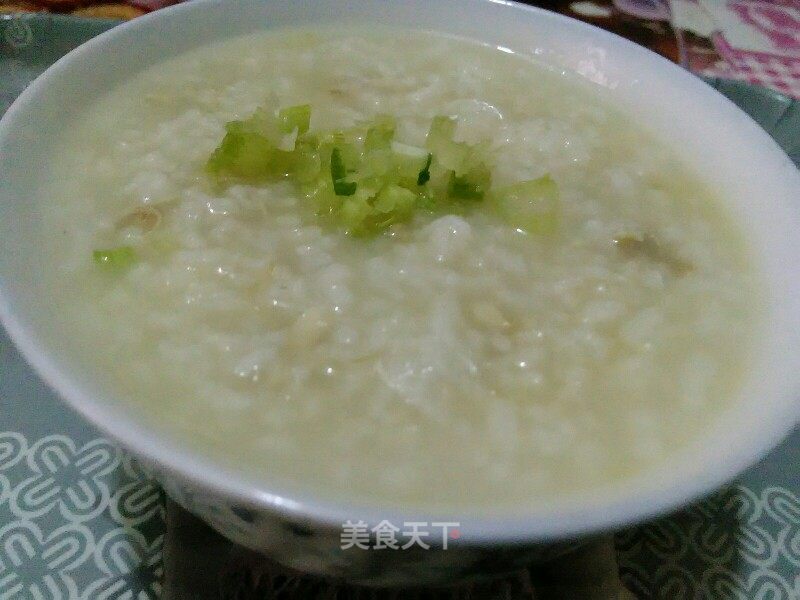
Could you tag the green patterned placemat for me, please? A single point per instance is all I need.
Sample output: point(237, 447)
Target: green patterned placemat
point(77, 517)
point(79, 520)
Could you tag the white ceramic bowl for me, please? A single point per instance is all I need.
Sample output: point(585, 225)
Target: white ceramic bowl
point(716, 139)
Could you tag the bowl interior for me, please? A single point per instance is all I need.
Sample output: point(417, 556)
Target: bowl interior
point(714, 138)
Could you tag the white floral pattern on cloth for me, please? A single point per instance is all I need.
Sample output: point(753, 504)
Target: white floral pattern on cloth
point(733, 530)
point(13, 446)
point(5, 488)
point(758, 41)
point(138, 501)
point(784, 508)
point(737, 544)
point(85, 522)
point(12, 451)
point(129, 564)
point(39, 565)
point(67, 477)
point(79, 521)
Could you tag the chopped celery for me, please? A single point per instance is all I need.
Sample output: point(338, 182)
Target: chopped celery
point(442, 128)
point(341, 186)
point(115, 258)
point(281, 163)
point(262, 121)
point(450, 154)
point(247, 151)
point(338, 170)
point(470, 186)
point(426, 200)
point(425, 174)
point(355, 211)
point(308, 162)
point(321, 193)
point(381, 133)
point(349, 143)
point(365, 213)
point(363, 180)
point(376, 164)
point(396, 201)
point(255, 147)
point(408, 161)
point(241, 154)
point(477, 157)
point(460, 188)
point(532, 206)
point(295, 118)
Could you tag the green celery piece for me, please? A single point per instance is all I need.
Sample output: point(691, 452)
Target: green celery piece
point(478, 156)
point(115, 258)
point(470, 186)
point(451, 155)
point(264, 122)
point(460, 188)
point(395, 200)
point(307, 159)
point(282, 163)
point(355, 211)
point(341, 186)
point(409, 161)
point(295, 117)
point(532, 206)
point(366, 213)
point(425, 174)
point(377, 164)
point(394, 204)
point(249, 149)
point(442, 128)
point(247, 152)
point(338, 170)
point(322, 195)
point(241, 154)
point(374, 180)
point(380, 133)
point(426, 199)
point(348, 141)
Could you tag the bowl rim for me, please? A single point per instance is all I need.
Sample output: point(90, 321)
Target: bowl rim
point(174, 459)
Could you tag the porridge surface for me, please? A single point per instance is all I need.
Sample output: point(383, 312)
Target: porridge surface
point(440, 363)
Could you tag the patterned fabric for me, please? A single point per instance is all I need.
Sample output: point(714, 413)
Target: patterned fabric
point(740, 544)
point(781, 73)
point(85, 522)
point(757, 41)
point(77, 521)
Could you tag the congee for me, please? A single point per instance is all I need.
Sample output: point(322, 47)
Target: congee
point(396, 266)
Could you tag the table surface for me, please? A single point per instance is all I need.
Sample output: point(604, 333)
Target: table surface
point(78, 518)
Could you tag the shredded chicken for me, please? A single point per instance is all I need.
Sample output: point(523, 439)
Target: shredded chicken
point(144, 217)
point(646, 246)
